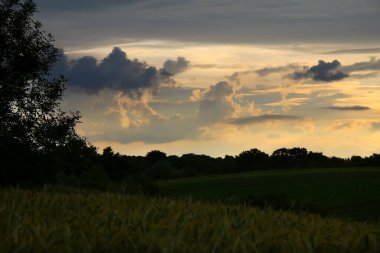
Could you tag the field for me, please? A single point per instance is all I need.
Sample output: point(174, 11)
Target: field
point(75, 221)
point(345, 192)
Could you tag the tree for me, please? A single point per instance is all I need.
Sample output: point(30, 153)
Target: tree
point(37, 139)
point(29, 98)
point(317, 159)
point(294, 157)
point(252, 159)
point(155, 156)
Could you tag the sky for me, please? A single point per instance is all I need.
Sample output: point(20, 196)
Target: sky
point(218, 77)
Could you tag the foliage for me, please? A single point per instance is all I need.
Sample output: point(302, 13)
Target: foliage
point(253, 159)
point(29, 104)
point(35, 134)
point(157, 165)
point(155, 156)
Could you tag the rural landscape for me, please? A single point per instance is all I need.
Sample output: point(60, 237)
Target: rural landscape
point(103, 152)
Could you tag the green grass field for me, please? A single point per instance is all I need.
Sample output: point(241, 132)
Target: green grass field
point(346, 192)
point(77, 221)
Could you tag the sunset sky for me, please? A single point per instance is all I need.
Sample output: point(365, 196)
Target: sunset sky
point(221, 76)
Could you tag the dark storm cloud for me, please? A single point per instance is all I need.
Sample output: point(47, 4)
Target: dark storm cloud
point(262, 118)
point(324, 71)
point(174, 67)
point(372, 64)
point(245, 21)
point(114, 72)
point(349, 108)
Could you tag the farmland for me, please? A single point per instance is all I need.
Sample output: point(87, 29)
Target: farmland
point(345, 192)
point(80, 221)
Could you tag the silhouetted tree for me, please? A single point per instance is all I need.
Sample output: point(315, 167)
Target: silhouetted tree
point(316, 159)
point(227, 165)
point(32, 125)
point(116, 165)
point(357, 161)
point(252, 159)
point(155, 156)
point(285, 158)
point(108, 153)
point(374, 160)
point(29, 99)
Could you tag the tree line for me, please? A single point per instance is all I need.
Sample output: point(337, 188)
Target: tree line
point(82, 166)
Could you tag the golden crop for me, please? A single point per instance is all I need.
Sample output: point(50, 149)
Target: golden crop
point(45, 221)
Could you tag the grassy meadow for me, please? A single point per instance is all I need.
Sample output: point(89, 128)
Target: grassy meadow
point(78, 221)
point(345, 192)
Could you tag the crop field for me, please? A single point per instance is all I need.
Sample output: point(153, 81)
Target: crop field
point(77, 221)
point(345, 192)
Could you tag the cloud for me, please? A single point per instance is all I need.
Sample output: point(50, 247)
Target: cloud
point(177, 66)
point(375, 126)
point(349, 108)
point(365, 75)
point(324, 71)
point(158, 131)
point(80, 5)
point(110, 117)
point(222, 101)
point(272, 70)
point(372, 64)
point(262, 118)
point(205, 66)
point(216, 103)
point(355, 51)
point(353, 125)
point(136, 112)
point(303, 100)
point(277, 21)
point(116, 72)
point(133, 83)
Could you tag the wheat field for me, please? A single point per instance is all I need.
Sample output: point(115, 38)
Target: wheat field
point(81, 221)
